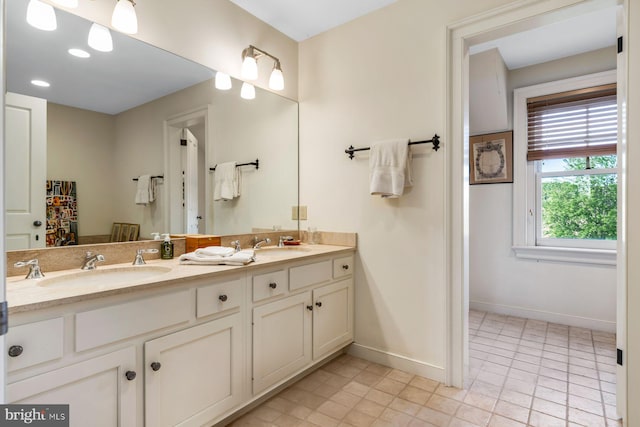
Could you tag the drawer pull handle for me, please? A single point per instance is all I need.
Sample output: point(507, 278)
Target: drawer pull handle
point(15, 350)
point(345, 266)
point(310, 307)
point(156, 366)
point(223, 298)
point(318, 303)
point(273, 285)
point(131, 375)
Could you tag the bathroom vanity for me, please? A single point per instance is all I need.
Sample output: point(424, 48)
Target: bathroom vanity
point(189, 346)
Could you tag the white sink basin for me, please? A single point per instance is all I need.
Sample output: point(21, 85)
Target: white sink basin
point(105, 278)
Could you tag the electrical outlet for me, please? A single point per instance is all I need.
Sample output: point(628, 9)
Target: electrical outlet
point(303, 213)
point(294, 212)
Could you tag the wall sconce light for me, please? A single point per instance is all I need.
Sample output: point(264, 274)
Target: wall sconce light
point(100, 38)
point(223, 81)
point(249, 70)
point(124, 17)
point(41, 15)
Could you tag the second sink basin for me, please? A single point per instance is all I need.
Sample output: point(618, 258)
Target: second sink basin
point(105, 278)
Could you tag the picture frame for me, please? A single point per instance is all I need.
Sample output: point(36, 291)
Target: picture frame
point(124, 232)
point(115, 232)
point(491, 158)
point(134, 231)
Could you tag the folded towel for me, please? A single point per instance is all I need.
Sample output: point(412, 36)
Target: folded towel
point(146, 190)
point(390, 167)
point(215, 251)
point(226, 182)
point(239, 258)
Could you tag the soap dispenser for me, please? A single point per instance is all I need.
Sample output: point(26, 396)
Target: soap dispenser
point(167, 247)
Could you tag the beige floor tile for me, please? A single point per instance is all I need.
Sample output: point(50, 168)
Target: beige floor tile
point(549, 408)
point(286, 421)
point(333, 409)
point(369, 407)
point(485, 389)
point(473, 415)
point(390, 386)
point(516, 398)
point(538, 419)
point(356, 388)
point(457, 422)
point(336, 380)
point(586, 392)
point(367, 378)
point(443, 404)
point(300, 412)
point(347, 399)
point(416, 422)
point(380, 397)
point(266, 414)
point(585, 418)
point(322, 420)
point(397, 418)
point(377, 369)
point(480, 401)
point(500, 421)
point(513, 411)
point(326, 391)
point(424, 383)
point(401, 376)
point(551, 395)
point(415, 395)
point(405, 406)
point(358, 419)
point(586, 405)
point(451, 392)
point(434, 417)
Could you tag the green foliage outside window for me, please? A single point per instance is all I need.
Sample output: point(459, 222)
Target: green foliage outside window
point(581, 206)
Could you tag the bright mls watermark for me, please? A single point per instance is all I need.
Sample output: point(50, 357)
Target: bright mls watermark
point(34, 415)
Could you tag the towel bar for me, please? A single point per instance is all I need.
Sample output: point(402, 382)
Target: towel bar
point(256, 164)
point(153, 177)
point(435, 141)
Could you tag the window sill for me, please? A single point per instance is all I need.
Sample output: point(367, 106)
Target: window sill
point(568, 255)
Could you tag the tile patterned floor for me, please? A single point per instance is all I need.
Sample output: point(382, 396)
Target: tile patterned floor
point(522, 373)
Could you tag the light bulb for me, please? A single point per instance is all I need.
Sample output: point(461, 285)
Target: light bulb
point(100, 38)
point(41, 15)
point(249, 67)
point(276, 81)
point(40, 83)
point(72, 4)
point(79, 53)
point(248, 91)
point(124, 17)
point(223, 81)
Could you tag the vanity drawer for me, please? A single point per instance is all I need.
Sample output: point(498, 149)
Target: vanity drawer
point(269, 285)
point(310, 274)
point(33, 343)
point(342, 267)
point(117, 322)
point(217, 298)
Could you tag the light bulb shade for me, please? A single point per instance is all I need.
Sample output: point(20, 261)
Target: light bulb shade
point(249, 68)
point(72, 4)
point(100, 38)
point(41, 15)
point(124, 17)
point(248, 91)
point(223, 81)
point(276, 81)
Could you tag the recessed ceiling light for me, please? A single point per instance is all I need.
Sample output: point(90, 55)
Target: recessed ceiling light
point(79, 53)
point(40, 83)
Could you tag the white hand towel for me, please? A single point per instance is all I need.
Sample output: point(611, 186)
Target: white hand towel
point(239, 258)
point(390, 167)
point(215, 251)
point(226, 181)
point(143, 190)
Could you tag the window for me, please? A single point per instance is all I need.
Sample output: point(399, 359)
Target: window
point(565, 198)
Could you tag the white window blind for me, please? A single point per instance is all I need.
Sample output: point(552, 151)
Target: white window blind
point(577, 123)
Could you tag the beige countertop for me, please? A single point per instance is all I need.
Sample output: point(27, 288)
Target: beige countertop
point(33, 294)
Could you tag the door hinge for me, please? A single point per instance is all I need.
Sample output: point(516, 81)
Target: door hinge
point(619, 44)
point(619, 356)
point(4, 318)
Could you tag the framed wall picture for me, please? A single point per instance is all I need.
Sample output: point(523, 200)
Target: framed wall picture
point(491, 158)
point(124, 232)
point(134, 231)
point(115, 232)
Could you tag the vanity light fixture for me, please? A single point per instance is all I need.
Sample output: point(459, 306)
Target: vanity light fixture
point(100, 38)
point(41, 15)
point(249, 71)
point(40, 83)
point(248, 91)
point(223, 81)
point(79, 53)
point(71, 4)
point(124, 17)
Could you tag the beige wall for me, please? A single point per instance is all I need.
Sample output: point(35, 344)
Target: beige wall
point(80, 147)
point(210, 32)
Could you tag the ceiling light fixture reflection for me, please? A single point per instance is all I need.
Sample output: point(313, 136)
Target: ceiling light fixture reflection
point(41, 15)
point(248, 91)
point(72, 4)
point(100, 38)
point(223, 81)
point(79, 53)
point(40, 83)
point(249, 70)
point(124, 17)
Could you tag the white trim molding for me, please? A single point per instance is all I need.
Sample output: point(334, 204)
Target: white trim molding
point(569, 255)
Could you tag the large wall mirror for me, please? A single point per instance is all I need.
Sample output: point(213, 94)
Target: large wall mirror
point(114, 117)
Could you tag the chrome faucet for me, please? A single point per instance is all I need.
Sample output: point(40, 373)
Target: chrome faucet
point(236, 245)
point(90, 260)
point(258, 243)
point(34, 268)
point(139, 260)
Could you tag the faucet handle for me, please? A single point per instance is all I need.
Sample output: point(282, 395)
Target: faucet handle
point(34, 268)
point(236, 245)
point(139, 260)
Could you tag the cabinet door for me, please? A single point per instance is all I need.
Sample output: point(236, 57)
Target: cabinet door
point(332, 317)
point(195, 375)
point(97, 390)
point(281, 339)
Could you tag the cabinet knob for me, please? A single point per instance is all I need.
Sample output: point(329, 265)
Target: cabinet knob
point(156, 366)
point(15, 350)
point(310, 307)
point(222, 298)
point(318, 303)
point(273, 285)
point(131, 375)
point(345, 266)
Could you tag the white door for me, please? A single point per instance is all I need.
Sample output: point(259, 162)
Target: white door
point(190, 181)
point(25, 175)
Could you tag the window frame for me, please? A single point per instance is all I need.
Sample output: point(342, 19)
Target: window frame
point(525, 187)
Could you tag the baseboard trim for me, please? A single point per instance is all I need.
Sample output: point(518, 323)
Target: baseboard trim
point(397, 361)
point(564, 319)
